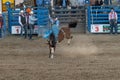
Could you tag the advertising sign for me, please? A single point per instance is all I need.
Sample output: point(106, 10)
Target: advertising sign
point(96, 28)
point(102, 28)
point(16, 29)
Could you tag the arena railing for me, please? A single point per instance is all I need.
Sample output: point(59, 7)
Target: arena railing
point(98, 18)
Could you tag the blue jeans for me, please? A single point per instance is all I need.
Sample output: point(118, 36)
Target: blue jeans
point(0, 32)
point(4, 31)
point(21, 32)
point(107, 2)
point(110, 2)
point(25, 30)
point(113, 26)
point(31, 26)
point(55, 30)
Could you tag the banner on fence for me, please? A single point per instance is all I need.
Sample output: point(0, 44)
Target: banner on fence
point(36, 30)
point(102, 28)
point(16, 29)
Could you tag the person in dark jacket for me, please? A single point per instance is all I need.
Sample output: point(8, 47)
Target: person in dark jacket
point(108, 2)
point(64, 3)
point(98, 2)
point(22, 22)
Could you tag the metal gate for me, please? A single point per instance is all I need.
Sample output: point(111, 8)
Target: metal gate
point(41, 13)
point(67, 15)
point(98, 21)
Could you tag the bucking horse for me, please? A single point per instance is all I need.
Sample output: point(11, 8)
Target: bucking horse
point(64, 32)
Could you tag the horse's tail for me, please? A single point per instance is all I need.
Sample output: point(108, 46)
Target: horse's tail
point(52, 39)
point(73, 24)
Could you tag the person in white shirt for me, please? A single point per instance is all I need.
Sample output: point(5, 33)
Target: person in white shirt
point(81, 2)
point(73, 3)
point(113, 21)
point(22, 22)
point(32, 20)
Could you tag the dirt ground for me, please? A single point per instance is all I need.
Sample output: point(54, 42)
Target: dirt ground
point(89, 57)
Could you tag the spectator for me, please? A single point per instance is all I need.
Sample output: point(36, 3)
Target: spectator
point(39, 2)
point(98, 2)
point(28, 10)
point(64, 3)
point(32, 20)
point(108, 2)
point(47, 2)
point(22, 22)
point(81, 2)
point(55, 2)
point(113, 21)
point(1, 24)
point(92, 2)
point(73, 3)
point(101, 2)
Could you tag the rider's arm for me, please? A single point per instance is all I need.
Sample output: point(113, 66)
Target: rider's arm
point(57, 23)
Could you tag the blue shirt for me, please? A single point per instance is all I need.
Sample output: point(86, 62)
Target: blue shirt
point(64, 4)
point(46, 2)
point(32, 19)
point(57, 23)
point(39, 2)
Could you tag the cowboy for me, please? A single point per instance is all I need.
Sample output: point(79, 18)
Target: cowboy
point(22, 22)
point(56, 27)
point(56, 22)
point(113, 21)
point(108, 2)
point(32, 20)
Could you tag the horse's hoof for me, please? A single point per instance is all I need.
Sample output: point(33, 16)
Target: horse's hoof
point(68, 43)
point(51, 57)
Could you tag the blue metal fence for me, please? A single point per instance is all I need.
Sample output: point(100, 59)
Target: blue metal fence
point(99, 15)
point(41, 13)
point(4, 24)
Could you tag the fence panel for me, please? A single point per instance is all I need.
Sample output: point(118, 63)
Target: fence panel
point(41, 13)
point(98, 21)
point(66, 16)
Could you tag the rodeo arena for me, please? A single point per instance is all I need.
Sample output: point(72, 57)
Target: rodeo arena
point(59, 39)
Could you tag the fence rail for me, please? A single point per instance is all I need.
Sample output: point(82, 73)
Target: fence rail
point(68, 15)
point(98, 18)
